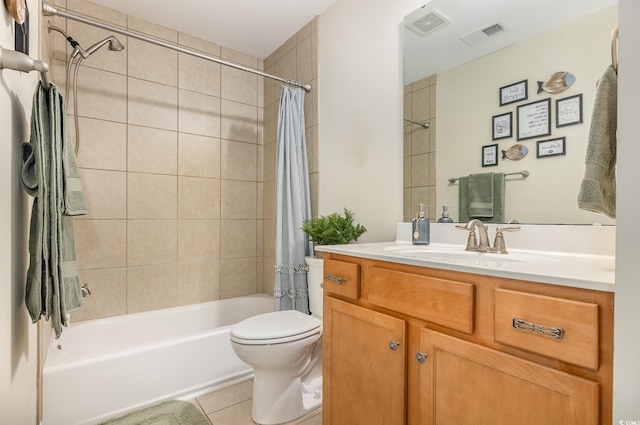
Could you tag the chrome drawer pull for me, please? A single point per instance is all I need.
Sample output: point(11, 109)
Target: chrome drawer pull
point(550, 331)
point(335, 279)
point(421, 357)
point(394, 345)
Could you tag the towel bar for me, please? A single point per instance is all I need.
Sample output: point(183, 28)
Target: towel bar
point(524, 173)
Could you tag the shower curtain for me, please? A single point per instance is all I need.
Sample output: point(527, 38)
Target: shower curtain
point(293, 205)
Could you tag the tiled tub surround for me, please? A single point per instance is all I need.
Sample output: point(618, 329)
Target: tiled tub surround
point(173, 165)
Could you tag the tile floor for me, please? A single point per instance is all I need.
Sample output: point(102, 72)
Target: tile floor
point(232, 406)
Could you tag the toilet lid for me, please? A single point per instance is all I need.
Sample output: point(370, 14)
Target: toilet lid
point(288, 325)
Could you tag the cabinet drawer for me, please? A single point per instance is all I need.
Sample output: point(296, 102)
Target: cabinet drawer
point(444, 302)
point(341, 278)
point(561, 329)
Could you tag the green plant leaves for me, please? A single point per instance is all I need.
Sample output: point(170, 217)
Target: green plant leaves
point(333, 229)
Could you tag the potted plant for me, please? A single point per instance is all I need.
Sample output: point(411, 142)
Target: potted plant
point(333, 229)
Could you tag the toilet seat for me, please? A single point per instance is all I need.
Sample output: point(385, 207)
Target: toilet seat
point(275, 328)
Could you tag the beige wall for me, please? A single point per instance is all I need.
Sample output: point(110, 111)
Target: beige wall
point(178, 163)
point(420, 148)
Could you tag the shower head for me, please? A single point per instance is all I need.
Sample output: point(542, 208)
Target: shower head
point(114, 45)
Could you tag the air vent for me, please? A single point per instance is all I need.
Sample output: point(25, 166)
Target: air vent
point(426, 23)
point(479, 36)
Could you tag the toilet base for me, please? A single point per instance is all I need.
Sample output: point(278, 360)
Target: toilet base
point(279, 398)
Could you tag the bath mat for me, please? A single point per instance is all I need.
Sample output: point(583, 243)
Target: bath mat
point(172, 412)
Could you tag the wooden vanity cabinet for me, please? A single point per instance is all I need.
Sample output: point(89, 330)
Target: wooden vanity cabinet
point(421, 346)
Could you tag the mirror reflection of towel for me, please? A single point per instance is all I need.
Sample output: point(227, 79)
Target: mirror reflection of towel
point(481, 196)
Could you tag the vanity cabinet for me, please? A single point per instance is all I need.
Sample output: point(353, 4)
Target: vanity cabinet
point(424, 346)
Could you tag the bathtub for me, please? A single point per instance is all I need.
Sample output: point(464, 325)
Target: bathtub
point(103, 368)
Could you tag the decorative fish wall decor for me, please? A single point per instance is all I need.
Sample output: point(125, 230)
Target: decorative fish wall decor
point(515, 152)
point(556, 83)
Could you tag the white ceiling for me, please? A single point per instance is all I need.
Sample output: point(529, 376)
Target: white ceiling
point(254, 27)
point(442, 49)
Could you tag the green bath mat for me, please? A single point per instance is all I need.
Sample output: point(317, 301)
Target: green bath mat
point(172, 412)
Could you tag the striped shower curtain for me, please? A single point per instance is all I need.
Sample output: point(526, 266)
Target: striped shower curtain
point(293, 205)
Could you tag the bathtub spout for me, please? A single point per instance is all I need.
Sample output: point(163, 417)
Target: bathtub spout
point(85, 290)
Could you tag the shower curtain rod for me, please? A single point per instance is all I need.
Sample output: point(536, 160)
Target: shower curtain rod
point(49, 10)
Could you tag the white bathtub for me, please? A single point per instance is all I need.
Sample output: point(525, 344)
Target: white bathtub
point(103, 368)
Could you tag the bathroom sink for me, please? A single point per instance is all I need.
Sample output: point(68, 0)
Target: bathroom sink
point(453, 254)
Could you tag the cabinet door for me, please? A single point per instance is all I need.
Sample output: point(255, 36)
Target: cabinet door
point(465, 383)
point(363, 357)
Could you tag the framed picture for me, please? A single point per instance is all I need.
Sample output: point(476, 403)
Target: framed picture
point(490, 155)
point(534, 119)
point(551, 147)
point(514, 92)
point(502, 126)
point(569, 111)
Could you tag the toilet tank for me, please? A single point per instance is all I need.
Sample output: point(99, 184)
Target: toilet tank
point(314, 278)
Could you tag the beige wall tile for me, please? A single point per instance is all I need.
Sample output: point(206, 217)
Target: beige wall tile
point(268, 275)
point(199, 114)
point(420, 139)
point(153, 30)
point(238, 57)
point(151, 150)
point(198, 240)
point(198, 44)
point(238, 238)
point(103, 144)
point(106, 193)
point(238, 199)
point(269, 161)
point(239, 122)
point(152, 242)
point(198, 282)
point(100, 12)
point(420, 105)
point(199, 75)
point(269, 231)
point(239, 161)
point(153, 63)
point(152, 287)
point(304, 63)
point(238, 277)
point(287, 65)
point(239, 86)
point(108, 294)
point(101, 243)
point(198, 198)
point(198, 156)
point(269, 200)
point(420, 170)
point(102, 95)
point(270, 123)
point(311, 137)
point(152, 104)
point(151, 196)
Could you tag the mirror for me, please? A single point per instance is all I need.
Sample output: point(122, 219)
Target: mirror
point(454, 77)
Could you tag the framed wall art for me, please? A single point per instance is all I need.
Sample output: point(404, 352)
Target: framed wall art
point(502, 125)
point(534, 119)
point(490, 155)
point(551, 147)
point(514, 92)
point(569, 111)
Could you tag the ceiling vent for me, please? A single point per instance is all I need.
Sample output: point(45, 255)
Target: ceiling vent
point(480, 36)
point(426, 22)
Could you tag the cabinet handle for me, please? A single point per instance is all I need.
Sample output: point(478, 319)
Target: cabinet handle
point(335, 279)
point(421, 357)
point(394, 345)
point(550, 331)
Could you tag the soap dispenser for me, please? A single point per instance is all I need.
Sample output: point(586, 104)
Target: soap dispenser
point(445, 215)
point(420, 235)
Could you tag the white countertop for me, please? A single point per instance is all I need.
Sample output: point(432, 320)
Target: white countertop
point(574, 269)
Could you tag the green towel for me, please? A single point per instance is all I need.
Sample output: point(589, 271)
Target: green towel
point(52, 286)
point(598, 188)
point(473, 200)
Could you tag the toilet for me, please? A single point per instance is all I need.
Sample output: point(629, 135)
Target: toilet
point(285, 350)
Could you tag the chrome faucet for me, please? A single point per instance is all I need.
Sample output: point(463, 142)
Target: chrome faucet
point(482, 243)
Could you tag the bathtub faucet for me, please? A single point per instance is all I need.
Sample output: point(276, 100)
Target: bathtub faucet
point(85, 290)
